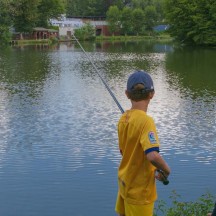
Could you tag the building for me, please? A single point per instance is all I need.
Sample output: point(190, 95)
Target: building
point(101, 27)
point(43, 33)
point(67, 25)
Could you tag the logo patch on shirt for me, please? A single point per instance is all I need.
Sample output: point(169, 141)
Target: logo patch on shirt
point(152, 138)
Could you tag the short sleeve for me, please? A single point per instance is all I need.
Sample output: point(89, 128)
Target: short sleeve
point(149, 138)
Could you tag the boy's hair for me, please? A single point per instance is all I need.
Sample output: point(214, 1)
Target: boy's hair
point(139, 92)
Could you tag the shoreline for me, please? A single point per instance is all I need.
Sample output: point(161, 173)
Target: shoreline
point(160, 38)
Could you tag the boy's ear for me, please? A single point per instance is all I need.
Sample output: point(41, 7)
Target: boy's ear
point(151, 94)
point(126, 92)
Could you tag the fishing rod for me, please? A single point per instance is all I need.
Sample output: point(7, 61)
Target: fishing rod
point(98, 73)
point(166, 181)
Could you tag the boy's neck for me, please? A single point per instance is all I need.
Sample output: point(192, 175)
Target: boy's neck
point(140, 105)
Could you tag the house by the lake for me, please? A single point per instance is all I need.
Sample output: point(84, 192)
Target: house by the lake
point(67, 25)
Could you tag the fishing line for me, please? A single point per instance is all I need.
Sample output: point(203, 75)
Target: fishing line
point(98, 73)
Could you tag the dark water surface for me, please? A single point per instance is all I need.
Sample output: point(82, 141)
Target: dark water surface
point(58, 142)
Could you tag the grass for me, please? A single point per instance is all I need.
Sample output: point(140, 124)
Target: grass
point(199, 207)
point(159, 37)
point(31, 42)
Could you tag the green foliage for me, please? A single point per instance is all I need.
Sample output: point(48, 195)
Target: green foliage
point(126, 21)
point(113, 9)
point(28, 14)
point(200, 207)
point(138, 18)
point(134, 21)
point(159, 6)
point(150, 15)
point(73, 8)
point(48, 9)
point(118, 3)
point(25, 14)
point(6, 22)
point(140, 3)
point(86, 7)
point(87, 32)
point(100, 7)
point(113, 18)
point(5, 35)
point(192, 22)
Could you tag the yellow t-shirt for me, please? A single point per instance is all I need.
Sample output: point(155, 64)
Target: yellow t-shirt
point(137, 137)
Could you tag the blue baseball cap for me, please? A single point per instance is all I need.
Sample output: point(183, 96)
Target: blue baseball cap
point(140, 77)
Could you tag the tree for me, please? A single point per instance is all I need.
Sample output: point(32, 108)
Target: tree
point(118, 3)
point(87, 32)
point(5, 21)
point(86, 8)
point(113, 18)
point(24, 14)
point(73, 8)
point(48, 9)
point(159, 6)
point(138, 21)
point(127, 21)
point(204, 31)
point(150, 16)
point(141, 3)
point(192, 22)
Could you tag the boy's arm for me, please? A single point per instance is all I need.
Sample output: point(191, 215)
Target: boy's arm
point(155, 158)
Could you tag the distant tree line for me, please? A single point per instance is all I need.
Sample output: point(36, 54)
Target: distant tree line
point(133, 21)
point(92, 7)
point(24, 15)
point(190, 22)
point(124, 16)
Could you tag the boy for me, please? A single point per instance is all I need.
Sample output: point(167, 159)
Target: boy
point(139, 146)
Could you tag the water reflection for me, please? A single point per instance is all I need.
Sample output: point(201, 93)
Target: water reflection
point(195, 69)
point(133, 47)
point(191, 74)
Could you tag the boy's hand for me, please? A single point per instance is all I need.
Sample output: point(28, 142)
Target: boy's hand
point(160, 176)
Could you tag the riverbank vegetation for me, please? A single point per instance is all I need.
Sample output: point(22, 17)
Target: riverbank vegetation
point(157, 37)
point(199, 207)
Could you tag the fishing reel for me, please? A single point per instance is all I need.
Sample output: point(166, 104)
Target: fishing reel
point(165, 181)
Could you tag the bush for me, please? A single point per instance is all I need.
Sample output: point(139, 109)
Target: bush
point(200, 207)
point(87, 32)
point(5, 35)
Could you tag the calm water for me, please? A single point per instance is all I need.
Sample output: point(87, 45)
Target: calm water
point(58, 143)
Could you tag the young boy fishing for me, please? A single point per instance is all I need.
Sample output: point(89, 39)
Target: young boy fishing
point(139, 146)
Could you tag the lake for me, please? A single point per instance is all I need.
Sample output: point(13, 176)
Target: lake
point(58, 140)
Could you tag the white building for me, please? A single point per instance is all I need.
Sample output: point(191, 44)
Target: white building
point(67, 25)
